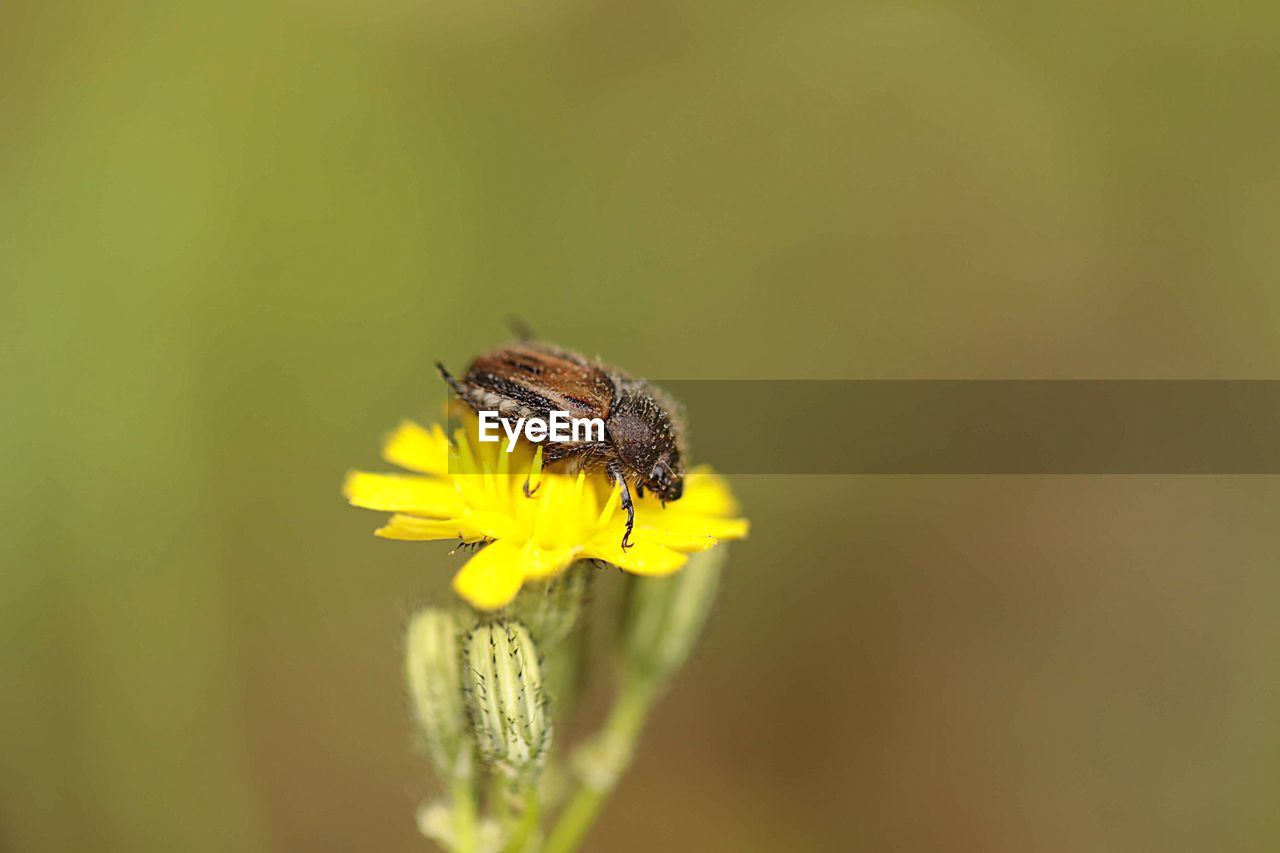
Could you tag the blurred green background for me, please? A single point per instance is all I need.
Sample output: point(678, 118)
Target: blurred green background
point(234, 236)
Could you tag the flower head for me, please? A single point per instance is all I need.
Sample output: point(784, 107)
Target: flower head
point(476, 493)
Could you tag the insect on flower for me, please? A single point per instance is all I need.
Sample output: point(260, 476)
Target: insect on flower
point(642, 443)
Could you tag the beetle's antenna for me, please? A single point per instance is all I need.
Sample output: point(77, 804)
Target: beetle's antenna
point(520, 328)
point(453, 383)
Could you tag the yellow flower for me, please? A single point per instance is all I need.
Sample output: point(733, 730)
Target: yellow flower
point(474, 492)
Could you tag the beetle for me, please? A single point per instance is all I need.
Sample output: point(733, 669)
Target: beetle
point(643, 436)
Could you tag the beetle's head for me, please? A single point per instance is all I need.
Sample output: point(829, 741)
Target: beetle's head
point(666, 479)
point(647, 441)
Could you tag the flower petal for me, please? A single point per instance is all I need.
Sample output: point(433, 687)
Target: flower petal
point(418, 449)
point(676, 521)
point(644, 557)
point(725, 528)
point(535, 471)
point(541, 563)
point(412, 528)
point(557, 516)
point(677, 540)
point(492, 577)
point(708, 493)
point(494, 525)
point(402, 493)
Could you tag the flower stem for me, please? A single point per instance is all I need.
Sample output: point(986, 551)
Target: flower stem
point(602, 762)
point(525, 831)
point(463, 799)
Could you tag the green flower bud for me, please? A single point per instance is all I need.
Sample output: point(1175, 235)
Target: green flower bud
point(563, 673)
point(435, 688)
point(664, 616)
point(551, 609)
point(505, 698)
point(553, 612)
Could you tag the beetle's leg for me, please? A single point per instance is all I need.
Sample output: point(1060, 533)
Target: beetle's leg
point(616, 473)
point(528, 493)
point(453, 383)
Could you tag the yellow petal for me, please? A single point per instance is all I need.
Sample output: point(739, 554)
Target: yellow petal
point(707, 493)
point(726, 528)
point(542, 563)
point(535, 471)
point(677, 540)
point(556, 518)
point(610, 505)
point(494, 525)
point(412, 528)
point(402, 493)
point(492, 577)
point(676, 521)
point(418, 449)
point(644, 557)
point(466, 460)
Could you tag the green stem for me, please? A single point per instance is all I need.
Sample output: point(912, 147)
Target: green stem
point(498, 805)
point(602, 763)
point(523, 834)
point(463, 797)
